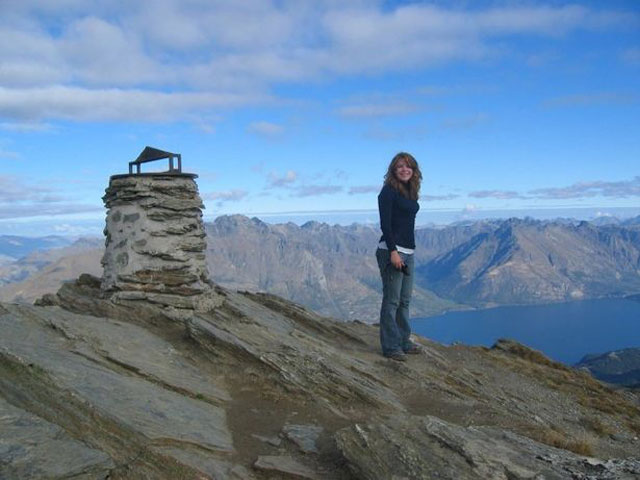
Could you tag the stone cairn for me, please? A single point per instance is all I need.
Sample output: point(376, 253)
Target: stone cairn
point(155, 238)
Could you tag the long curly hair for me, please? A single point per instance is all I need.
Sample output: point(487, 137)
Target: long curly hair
point(411, 189)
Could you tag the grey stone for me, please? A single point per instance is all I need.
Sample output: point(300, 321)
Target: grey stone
point(122, 259)
point(428, 447)
point(285, 466)
point(145, 405)
point(275, 441)
point(304, 436)
point(31, 447)
point(304, 361)
point(214, 468)
point(164, 213)
point(110, 342)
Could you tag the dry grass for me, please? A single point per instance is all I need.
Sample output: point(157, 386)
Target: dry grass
point(522, 351)
point(596, 426)
point(580, 388)
point(585, 390)
point(582, 445)
point(634, 425)
point(461, 386)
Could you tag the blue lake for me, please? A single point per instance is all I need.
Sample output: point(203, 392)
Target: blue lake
point(564, 331)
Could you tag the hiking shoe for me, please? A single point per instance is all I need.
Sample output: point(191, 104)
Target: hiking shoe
point(397, 356)
point(414, 349)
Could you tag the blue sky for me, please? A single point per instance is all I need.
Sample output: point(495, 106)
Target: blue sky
point(293, 109)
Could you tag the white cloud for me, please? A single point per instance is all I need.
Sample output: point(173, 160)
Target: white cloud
point(435, 198)
point(619, 189)
point(222, 197)
point(46, 209)
point(26, 127)
point(205, 127)
point(74, 229)
point(19, 199)
point(377, 110)
point(598, 98)
point(395, 134)
point(13, 190)
point(227, 195)
point(75, 103)
point(102, 53)
point(285, 180)
point(418, 34)
point(9, 154)
point(364, 189)
point(597, 188)
point(266, 129)
point(499, 194)
point(28, 73)
point(470, 208)
point(29, 56)
point(87, 60)
point(600, 214)
point(464, 123)
point(180, 25)
point(316, 190)
point(538, 20)
point(435, 90)
point(631, 56)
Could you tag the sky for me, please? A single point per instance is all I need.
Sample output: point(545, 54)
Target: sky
point(293, 109)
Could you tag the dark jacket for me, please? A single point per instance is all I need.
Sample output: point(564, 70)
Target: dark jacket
point(397, 218)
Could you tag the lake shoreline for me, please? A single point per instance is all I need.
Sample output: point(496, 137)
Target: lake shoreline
point(563, 331)
point(470, 308)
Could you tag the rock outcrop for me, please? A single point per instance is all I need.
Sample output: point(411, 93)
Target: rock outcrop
point(255, 387)
point(620, 367)
point(428, 447)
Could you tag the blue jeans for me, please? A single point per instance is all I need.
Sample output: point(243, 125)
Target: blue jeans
point(396, 295)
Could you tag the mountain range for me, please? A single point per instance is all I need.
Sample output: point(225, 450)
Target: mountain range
point(13, 247)
point(526, 261)
point(44, 269)
point(332, 269)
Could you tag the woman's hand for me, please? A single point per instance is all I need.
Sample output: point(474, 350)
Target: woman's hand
point(396, 261)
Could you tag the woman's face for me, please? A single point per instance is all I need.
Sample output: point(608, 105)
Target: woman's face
point(403, 171)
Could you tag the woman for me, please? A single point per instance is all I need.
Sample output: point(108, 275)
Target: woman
point(398, 205)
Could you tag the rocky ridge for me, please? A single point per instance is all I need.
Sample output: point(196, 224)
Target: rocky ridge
point(251, 386)
point(331, 269)
point(621, 367)
point(527, 261)
point(43, 271)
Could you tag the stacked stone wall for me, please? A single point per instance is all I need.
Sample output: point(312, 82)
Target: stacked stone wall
point(155, 239)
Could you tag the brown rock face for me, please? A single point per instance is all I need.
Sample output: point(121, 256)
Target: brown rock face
point(155, 239)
